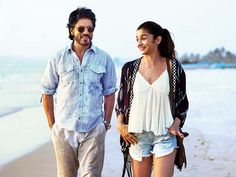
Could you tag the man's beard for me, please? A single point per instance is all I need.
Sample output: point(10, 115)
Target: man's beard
point(85, 40)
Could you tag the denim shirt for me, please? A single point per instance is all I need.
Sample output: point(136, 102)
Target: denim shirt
point(78, 89)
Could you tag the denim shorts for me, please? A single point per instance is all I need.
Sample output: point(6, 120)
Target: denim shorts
point(151, 144)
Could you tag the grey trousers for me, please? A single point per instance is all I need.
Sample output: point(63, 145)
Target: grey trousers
point(79, 152)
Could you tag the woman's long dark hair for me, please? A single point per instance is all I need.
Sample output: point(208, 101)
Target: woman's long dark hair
point(167, 46)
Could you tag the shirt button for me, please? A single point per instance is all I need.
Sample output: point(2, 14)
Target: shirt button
point(81, 82)
point(79, 117)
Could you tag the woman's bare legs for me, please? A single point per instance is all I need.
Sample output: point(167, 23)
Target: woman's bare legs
point(164, 166)
point(144, 168)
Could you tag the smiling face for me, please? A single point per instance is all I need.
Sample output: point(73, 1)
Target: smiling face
point(83, 37)
point(146, 42)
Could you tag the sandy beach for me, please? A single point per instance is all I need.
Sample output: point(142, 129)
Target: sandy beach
point(40, 162)
point(210, 146)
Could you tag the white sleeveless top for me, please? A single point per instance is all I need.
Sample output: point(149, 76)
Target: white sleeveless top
point(150, 109)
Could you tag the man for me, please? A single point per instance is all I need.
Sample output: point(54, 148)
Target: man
point(80, 77)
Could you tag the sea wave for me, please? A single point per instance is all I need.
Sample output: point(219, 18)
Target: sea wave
point(7, 111)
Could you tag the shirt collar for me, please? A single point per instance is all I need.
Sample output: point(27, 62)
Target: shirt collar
point(92, 47)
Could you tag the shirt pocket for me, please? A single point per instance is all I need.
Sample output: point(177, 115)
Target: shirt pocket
point(96, 72)
point(68, 75)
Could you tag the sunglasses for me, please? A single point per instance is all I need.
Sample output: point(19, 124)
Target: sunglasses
point(81, 29)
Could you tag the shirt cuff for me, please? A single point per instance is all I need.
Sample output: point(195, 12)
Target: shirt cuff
point(48, 91)
point(109, 91)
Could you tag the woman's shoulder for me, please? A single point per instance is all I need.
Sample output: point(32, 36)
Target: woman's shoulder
point(175, 60)
point(177, 63)
point(131, 64)
point(178, 67)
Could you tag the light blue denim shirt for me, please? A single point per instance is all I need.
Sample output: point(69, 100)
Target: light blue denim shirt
point(78, 89)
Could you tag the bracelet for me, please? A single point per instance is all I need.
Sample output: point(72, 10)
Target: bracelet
point(107, 124)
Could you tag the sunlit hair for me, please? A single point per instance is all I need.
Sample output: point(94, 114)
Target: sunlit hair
point(166, 47)
point(78, 14)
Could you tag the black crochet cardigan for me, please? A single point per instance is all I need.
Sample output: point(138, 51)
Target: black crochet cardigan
point(178, 101)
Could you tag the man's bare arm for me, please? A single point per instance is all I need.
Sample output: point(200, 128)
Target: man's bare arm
point(48, 106)
point(109, 102)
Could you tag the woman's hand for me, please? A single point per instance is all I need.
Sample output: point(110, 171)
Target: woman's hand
point(174, 129)
point(128, 137)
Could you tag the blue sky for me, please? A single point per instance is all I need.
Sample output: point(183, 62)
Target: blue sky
point(36, 29)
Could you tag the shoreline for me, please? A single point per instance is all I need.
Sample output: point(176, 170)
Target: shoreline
point(7, 111)
point(12, 110)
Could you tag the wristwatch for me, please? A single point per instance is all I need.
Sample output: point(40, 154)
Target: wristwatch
point(107, 124)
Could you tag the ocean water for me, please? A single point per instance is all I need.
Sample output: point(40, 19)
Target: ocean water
point(19, 83)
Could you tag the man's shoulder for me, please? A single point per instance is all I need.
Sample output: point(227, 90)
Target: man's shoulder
point(60, 54)
point(63, 51)
point(102, 56)
point(101, 52)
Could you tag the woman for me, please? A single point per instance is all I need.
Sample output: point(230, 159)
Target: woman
point(152, 105)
